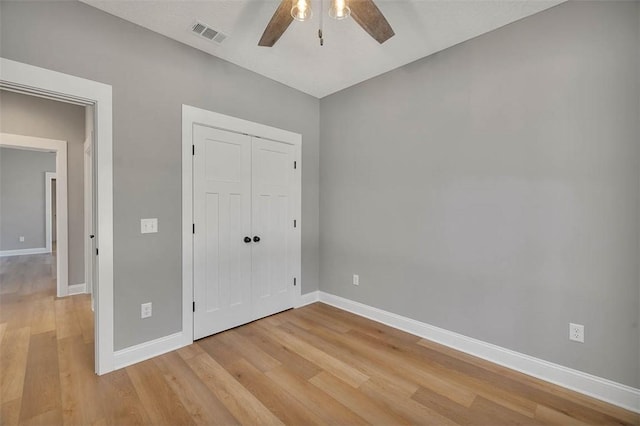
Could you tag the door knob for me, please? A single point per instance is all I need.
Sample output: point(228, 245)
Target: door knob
point(256, 239)
point(247, 240)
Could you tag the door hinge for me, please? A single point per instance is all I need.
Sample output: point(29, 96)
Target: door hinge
point(295, 164)
point(194, 306)
point(96, 251)
point(193, 150)
point(294, 223)
point(194, 228)
point(294, 281)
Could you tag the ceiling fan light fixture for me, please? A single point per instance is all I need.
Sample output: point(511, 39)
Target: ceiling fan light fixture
point(339, 9)
point(301, 10)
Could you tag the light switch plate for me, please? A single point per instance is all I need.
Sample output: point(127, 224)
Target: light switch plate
point(148, 226)
point(146, 310)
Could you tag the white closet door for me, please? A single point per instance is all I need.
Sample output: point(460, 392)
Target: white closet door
point(222, 219)
point(272, 177)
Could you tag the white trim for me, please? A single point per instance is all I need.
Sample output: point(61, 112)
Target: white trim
point(190, 117)
point(48, 235)
point(77, 289)
point(88, 214)
point(35, 80)
point(22, 252)
point(147, 350)
point(307, 299)
point(606, 390)
point(60, 149)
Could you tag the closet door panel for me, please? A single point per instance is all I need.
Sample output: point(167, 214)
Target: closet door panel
point(222, 218)
point(272, 220)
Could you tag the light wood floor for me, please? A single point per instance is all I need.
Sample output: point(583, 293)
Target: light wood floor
point(315, 365)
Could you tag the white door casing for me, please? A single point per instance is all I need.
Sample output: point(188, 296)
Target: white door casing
point(192, 118)
point(222, 215)
point(89, 250)
point(67, 88)
point(50, 222)
point(60, 149)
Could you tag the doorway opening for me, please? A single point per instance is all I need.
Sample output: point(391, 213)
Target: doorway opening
point(96, 98)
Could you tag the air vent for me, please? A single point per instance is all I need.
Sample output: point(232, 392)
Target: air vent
point(208, 33)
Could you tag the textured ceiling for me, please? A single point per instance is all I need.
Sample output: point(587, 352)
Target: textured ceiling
point(349, 56)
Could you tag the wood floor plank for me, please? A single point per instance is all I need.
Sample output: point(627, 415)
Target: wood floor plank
point(426, 374)
point(200, 402)
point(239, 401)
point(190, 351)
point(294, 362)
point(78, 383)
point(364, 325)
point(486, 410)
point(315, 399)
point(251, 352)
point(67, 323)
point(272, 395)
point(44, 318)
point(41, 392)
point(119, 402)
point(391, 358)
point(554, 417)
point(316, 317)
point(85, 318)
point(13, 363)
point(356, 401)
point(10, 412)
point(339, 346)
point(52, 417)
point(3, 329)
point(414, 411)
point(325, 361)
point(161, 403)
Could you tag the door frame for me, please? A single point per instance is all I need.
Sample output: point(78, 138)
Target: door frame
point(87, 152)
point(48, 199)
point(59, 148)
point(192, 116)
point(32, 80)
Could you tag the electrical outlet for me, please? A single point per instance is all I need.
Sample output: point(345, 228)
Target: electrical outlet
point(576, 332)
point(145, 310)
point(149, 226)
point(356, 279)
point(21, 239)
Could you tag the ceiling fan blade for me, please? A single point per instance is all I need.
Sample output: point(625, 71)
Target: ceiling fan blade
point(369, 17)
point(278, 24)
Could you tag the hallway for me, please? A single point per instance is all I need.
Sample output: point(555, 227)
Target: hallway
point(43, 340)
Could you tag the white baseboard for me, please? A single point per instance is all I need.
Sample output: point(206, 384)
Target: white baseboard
point(146, 350)
point(22, 252)
point(308, 298)
point(606, 390)
point(76, 289)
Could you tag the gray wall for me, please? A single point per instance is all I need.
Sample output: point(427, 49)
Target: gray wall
point(492, 189)
point(22, 197)
point(34, 116)
point(152, 77)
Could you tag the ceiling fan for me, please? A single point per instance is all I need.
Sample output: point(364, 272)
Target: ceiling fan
point(364, 12)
